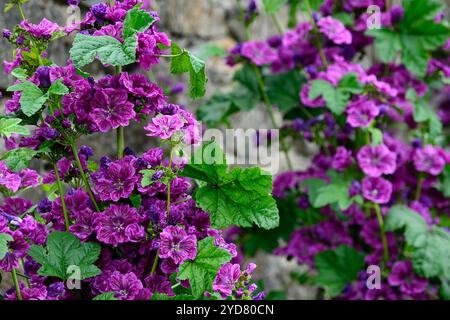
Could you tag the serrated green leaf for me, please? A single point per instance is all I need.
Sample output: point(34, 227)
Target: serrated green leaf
point(337, 268)
point(19, 73)
point(8, 126)
point(108, 49)
point(64, 250)
point(18, 159)
point(202, 270)
point(400, 217)
point(197, 83)
point(136, 21)
point(210, 50)
point(32, 98)
point(181, 62)
point(445, 181)
point(58, 88)
point(241, 196)
point(4, 239)
point(283, 89)
point(215, 110)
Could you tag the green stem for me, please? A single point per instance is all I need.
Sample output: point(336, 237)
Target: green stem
point(155, 262)
point(383, 235)
point(316, 31)
point(419, 187)
point(170, 55)
point(111, 2)
point(268, 105)
point(120, 142)
point(16, 284)
point(388, 5)
point(83, 176)
point(61, 196)
point(19, 7)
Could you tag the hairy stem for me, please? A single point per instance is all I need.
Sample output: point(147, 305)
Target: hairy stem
point(155, 262)
point(19, 7)
point(120, 142)
point(83, 177)
point(16, 284)
point(61, 196)
point(316, 31)
point(383, 235)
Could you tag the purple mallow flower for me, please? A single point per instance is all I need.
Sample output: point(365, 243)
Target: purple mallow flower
point(44, 29)
point(111, 109)
point(361, 113)
point(126, 286)
point(376, 160)
point(377, 190)
point(164, 126)
point(113, 223)
point(259, 52)
point(177, 245)
point(429, 159)
point(402, 276)
point(226, 279)
point(334, 30)
point(342, 159)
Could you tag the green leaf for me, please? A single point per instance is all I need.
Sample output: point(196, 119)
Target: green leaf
point(337, 268)
point(246, 77)
point(108, 49)
point(32, 98)
point(431, 257)
point(283, 89)
point(181, 63)
point(4, 239)
point(147, 177)
point(161, 296)
point(136, 21)
point(19, 73)
point(202, 271)
point(58, 88)
point(400, 217)
point(136, 201)
point(18, 159)
point(273, 6)
point(215, 110)
point(336, 98)
point(415, 36)
point(445, 181)
point(8, 126)
point(197, 78)
point(106, 296)
point(239, 197)
point(377, 136)
point(344, 17)
point(64, 250)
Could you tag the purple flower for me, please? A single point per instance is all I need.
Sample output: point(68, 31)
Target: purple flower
point(117, 180)
point(44, 29)
point(164, 126)
point(429, 159)
point(86, 151)
point(402, 275)
point(342, 159)
point(56, 290)
point(376, 160)
point(361, 113)
point(176, 244)
point(377, 190)
point(334, 30)
point(44, 206)
point(111, 109)
point(7, 33)
point(99, 11)
point(226, 279)
point(259, 52)
point(20, 40)
point(113, 223)
point(28, 178)
point(73, 2)
point(86, 223)
point(9, 180)
point(43, 74)
point(126, 286)
point(135, 232)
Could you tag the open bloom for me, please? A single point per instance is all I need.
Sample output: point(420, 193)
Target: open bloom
point(176, 244)
point(111, 109)
point(376, 160)
point(126, 286)
point(402, 275)
point(335, 30)
point(164, 126)
point(226, 279)
point(361, 113)
point(377, 190)
point(429, 159)
point(342, 159)
point(44, 29)
point(8, 179)
point(259, 52)
point(113, 222)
